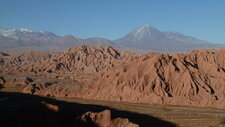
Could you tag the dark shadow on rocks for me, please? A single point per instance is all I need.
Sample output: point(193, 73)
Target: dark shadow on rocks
point(23, 110)
point(1, 86)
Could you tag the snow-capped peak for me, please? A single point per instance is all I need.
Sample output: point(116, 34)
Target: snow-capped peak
point(11, 32)
point(22, 32)
point(27, 30)
point(6, 32)
point(143, 27)
point(144, 30)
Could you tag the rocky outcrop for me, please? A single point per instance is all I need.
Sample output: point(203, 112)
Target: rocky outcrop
point(15, 80)
point(34, 88)
point(103, 119)
point(54, 88)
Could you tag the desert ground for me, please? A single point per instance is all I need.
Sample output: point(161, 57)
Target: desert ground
point(141, 114)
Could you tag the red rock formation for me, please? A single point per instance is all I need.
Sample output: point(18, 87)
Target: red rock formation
point(192, 79)
point(83, 60)
point(103, 119)
point(50, 87)
point(15, 80)
point(12, 63)
point(195, 78)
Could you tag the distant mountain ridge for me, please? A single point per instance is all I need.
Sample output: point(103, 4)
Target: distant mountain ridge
point(25, 33)
point(149, 38)
point(24, 39)
point(141, 40)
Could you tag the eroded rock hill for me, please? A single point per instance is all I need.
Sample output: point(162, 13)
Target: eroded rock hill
point(12, 62)
point(77, 61)
point(196, 78)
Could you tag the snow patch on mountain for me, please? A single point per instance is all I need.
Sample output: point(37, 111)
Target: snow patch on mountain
point(22, 32)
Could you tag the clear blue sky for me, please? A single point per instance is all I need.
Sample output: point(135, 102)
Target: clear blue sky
point(112, 19)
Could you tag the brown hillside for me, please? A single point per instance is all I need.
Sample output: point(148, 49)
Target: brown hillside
point(11, 63)
point(82, 60)
point(193, 79)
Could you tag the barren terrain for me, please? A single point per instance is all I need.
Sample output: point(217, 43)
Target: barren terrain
point(183, 89)
point(156, 115)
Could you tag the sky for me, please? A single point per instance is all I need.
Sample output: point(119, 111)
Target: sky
point(112, 19)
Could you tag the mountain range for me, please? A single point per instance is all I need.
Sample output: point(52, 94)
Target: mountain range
point(143, 39)
point(24, 39)
point(149, 38)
